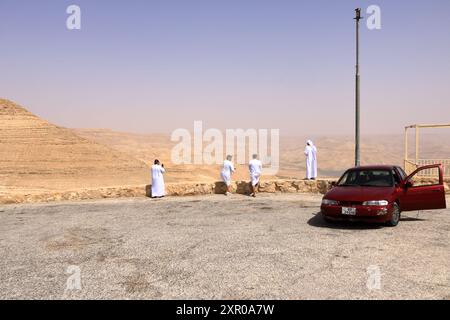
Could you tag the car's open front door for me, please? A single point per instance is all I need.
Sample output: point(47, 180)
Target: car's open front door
point(424, 193)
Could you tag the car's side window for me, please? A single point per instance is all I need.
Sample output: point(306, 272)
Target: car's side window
point(401, 172)
point(426, 177)
point(396, 176)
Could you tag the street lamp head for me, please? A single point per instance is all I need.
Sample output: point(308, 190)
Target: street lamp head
point(358, 14)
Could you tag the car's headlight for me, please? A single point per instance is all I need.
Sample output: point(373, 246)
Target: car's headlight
point(329, 202)
point(376, 203)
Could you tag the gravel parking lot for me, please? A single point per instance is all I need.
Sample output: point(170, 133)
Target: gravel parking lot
point(213, 247)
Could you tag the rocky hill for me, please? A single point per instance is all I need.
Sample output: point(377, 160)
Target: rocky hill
point(37, 155)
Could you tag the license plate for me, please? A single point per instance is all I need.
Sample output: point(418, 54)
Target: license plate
point(349, 211)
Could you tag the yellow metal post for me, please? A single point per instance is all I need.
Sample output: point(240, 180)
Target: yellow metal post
point(405, 166)
point(417, 145)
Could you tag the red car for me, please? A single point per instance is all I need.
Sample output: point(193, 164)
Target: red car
point(381, 193)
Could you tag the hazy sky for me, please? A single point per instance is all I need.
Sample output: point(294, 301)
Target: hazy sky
point(154, 66)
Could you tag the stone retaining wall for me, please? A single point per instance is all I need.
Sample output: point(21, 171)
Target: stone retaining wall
point(172, 189)
point(243, 187)
point(176, 189)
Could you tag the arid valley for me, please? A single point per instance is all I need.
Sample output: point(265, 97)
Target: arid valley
point(38, 157)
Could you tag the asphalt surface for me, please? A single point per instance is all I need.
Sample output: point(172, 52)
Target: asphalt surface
point(213, 247)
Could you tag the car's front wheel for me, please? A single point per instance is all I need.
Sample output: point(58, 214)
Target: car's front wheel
point(326, 219)
point(395, 217)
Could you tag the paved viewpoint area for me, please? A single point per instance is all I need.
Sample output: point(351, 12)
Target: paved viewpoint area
point(213, 247)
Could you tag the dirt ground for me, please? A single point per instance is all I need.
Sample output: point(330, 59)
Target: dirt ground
point(212, 247)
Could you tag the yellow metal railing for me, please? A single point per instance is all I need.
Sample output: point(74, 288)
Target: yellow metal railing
point(410, 166)
point(413, 164)
point(434, 172)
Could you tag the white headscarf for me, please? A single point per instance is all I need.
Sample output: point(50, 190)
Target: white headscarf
point(311, 144)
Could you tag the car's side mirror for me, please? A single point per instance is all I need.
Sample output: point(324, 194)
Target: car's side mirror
point(333, 184)
point(408, 184)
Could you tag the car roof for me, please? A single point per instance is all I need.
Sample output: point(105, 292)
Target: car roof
point(375, 167)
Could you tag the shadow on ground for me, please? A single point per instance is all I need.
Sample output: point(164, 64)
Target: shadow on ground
point(411, 219)
point(318, 222)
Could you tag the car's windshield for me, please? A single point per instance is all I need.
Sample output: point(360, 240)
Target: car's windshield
point(367, 178)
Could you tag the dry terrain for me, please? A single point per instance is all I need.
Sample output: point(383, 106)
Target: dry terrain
point(37, 157)
point(209, 246)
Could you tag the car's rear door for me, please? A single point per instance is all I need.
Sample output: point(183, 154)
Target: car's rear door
point(426, 193)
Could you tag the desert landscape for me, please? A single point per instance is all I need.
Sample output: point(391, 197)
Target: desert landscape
point(40, 158)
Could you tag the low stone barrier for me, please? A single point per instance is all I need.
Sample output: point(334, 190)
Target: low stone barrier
point(243, 187)
point(176, 189)
point(172, 189)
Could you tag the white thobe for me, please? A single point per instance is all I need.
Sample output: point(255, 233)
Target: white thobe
point(227, 171)
point(314, 169)
point(158, 189)
point(255, 167)
point(311, 162)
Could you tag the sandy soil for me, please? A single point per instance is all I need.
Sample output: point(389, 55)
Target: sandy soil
point(37, 155)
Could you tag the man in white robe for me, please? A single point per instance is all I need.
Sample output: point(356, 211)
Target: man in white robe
point(158, 188)
point(226, 173)
point(311, 160)
point(255, 167)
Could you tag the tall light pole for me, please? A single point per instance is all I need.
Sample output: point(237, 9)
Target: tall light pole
point(357, 107)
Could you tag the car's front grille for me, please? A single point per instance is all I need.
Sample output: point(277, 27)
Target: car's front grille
point(350, 203)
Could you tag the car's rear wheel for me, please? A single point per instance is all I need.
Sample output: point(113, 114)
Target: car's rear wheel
point(395, 217)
